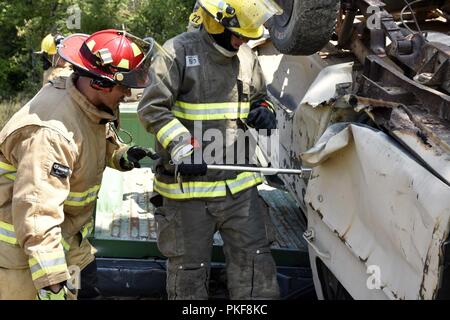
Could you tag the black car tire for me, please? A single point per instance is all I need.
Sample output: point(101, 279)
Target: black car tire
point(305, 26)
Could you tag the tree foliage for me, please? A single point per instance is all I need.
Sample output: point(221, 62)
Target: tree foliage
point(26, 22)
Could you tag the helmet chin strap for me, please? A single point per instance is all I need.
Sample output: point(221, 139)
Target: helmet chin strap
point(95, 83)
point(55, 61)
point(100, 86)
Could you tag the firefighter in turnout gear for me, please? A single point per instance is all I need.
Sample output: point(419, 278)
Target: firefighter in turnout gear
point(213, 81)
point(52, 156)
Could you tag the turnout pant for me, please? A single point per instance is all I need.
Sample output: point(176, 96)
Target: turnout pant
point(185, 237)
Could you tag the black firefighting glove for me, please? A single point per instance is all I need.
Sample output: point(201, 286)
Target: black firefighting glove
point(190, 167)
point(262, 115)
point(130, 159)
point(189, 170)
point(185, 169)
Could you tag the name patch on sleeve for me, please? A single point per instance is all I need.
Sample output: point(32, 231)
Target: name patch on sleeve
point(60, 171)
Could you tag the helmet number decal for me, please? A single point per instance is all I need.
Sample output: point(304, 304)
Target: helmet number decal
point(196, 19)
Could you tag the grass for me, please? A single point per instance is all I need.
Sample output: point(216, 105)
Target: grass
point(7, 109)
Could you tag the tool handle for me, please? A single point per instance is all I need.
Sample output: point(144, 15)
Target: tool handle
point(304, 172)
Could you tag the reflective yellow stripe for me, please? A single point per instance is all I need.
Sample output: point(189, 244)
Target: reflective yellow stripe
point(7, 167)
point(170, 132)
point(244, 181)
point(85, 193)
point(176, 149)
point(87, 229)
point(10, 176)
point(213, 189)
point(8, 171)
point(42, 272)
point(7, 233)
point(6, 226)
point(53, 262)
point(79, 199)
point(8, 239)
point(211, 111)
point(65, 245)
point(213, 106)
point(49, 256)
point(191, 189)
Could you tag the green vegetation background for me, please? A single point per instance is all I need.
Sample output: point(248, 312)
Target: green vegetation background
point(26, 22)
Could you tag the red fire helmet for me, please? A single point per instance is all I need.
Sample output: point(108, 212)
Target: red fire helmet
point(112, 55)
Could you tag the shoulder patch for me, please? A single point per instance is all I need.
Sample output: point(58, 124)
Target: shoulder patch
point(59, 171)
point(192, 61)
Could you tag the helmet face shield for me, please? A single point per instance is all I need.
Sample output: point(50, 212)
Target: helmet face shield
point(255, 13)
point(140, 77)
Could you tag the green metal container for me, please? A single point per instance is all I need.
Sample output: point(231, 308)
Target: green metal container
point(133, 132)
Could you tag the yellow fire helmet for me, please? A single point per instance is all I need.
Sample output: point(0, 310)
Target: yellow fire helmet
point(48, 45)
point(244, 18)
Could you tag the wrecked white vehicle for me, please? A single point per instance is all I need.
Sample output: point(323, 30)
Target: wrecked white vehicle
point(370, 113)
